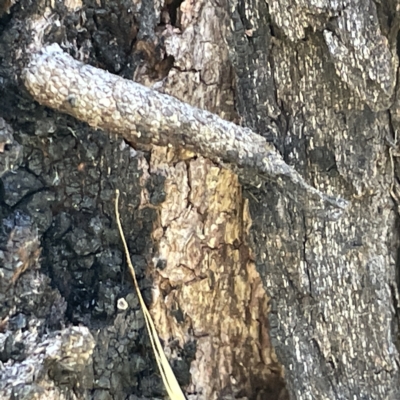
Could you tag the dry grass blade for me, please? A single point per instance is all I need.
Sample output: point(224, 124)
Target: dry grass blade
point(171, 384)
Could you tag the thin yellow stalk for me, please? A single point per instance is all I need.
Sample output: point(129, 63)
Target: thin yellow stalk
point(171, 384)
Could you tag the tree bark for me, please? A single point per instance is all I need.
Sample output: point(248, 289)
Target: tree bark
point(234, 269)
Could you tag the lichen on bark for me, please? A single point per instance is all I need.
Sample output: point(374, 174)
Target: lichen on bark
point(316, 79)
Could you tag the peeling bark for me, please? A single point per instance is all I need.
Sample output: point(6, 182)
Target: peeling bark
point(208, 291)
point(318, 79)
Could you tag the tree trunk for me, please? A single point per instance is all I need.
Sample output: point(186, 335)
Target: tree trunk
point(260, 286)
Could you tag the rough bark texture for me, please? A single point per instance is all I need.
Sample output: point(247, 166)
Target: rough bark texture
point(105, 101)
point(316, 78)
point(332, 284)
point(209, 282)
point(185, 219)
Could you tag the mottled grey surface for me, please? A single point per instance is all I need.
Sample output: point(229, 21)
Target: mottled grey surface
point(10, 150)
point(333, 284)
point(145, 116)
point(321, 77)
point(49, 364)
